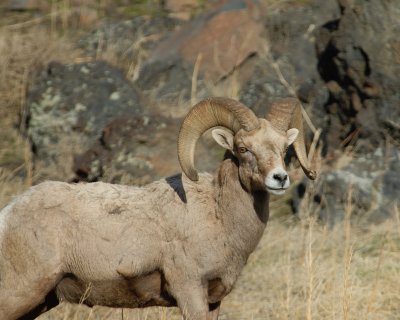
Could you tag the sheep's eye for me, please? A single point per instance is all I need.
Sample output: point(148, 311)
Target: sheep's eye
point(242, 150)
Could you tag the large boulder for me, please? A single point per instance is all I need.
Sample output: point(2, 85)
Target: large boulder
point(127, 43)
point(359, 59)
point(27, 5)
point(131, 149)
point(289, 64)
point(181, 9)
point(330, 55)
point(217, 42)
point(366, 188)
point(139, 149)
point(87, 122)
point(290, 32)
point(68, 107)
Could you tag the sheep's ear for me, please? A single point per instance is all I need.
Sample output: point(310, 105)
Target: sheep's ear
point(292, 135)
point(224, 138)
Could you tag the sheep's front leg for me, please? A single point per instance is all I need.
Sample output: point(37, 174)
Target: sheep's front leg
point(191, 299)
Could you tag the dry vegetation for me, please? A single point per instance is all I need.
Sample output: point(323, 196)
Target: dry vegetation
point(301, 269)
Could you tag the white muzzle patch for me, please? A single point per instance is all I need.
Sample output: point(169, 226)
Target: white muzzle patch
point(277, 181)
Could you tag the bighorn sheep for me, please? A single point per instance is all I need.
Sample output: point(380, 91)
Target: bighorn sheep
point(181, 241)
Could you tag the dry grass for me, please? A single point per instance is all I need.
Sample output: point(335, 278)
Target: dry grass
point(300, 270)
point(305, 271)
point(24, 48)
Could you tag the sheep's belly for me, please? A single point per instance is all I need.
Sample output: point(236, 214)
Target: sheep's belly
point(144, 291)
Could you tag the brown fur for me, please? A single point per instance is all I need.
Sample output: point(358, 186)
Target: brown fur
point(172, 242)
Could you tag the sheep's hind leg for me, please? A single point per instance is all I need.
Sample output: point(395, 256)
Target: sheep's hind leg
point(49, 303)
point(25, 299)
point(21, 294)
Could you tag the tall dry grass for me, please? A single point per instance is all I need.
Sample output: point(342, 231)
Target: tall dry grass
point(25, 47)
point(303, 270)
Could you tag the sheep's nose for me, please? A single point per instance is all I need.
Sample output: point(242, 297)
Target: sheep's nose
point(280, 177)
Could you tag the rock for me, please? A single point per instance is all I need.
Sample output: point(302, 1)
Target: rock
point(139, 149)
point(359, 52)
point(87, 17)
point(181, 9)
point(68, 107)
point(129, 41)
point(225, 39)
point(24, 5)
point(372, 181)
point(134, 149)
point(262, 89)
point(87, 123)
point(220, 40)
point(83, 3)
point(290, 32)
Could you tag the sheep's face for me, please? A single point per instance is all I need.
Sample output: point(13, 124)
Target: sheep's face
point(261, 156)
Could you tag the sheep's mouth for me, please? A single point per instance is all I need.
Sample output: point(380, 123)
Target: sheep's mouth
point(277, 191)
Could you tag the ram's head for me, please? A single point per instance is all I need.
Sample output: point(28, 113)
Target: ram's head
point(258, 144)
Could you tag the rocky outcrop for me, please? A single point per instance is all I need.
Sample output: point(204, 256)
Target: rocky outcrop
point(366, 188)
point(218, 41)
point(340, 58)
point(359, 60)
point(137, 150)
point(128, 42)
point(132, 150)
point(22, 5)
point(68, 107)
point(288, 66)
point(87, 123)
point(181, 9)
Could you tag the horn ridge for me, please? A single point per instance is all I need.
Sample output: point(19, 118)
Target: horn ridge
point(206, 114)
point(284, 114)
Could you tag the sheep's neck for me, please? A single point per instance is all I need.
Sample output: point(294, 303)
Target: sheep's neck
point(244, 214)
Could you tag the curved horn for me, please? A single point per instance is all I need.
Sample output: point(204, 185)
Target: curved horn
point(285, 114)
point(207, 114)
